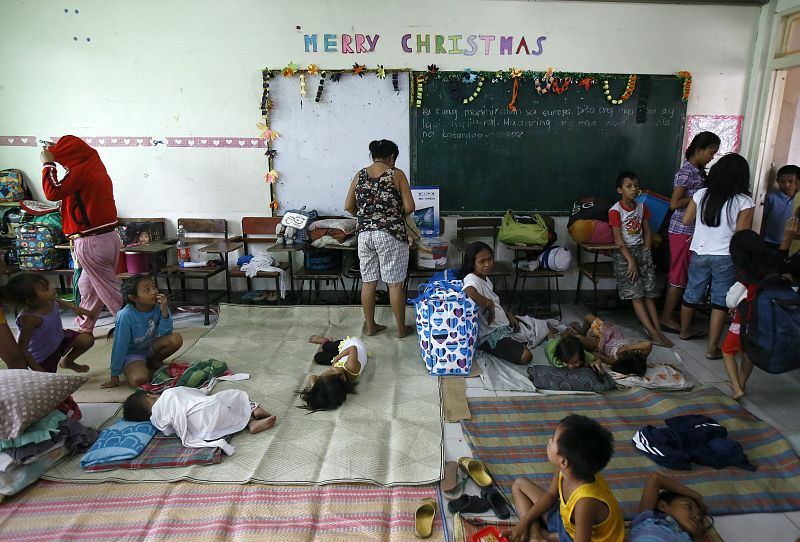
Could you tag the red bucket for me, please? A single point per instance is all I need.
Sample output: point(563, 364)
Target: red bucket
point(137, 263)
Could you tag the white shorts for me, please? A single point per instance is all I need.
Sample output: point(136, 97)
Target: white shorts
point(382, 256)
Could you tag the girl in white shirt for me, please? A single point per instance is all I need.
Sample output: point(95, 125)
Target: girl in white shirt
point(717, 212)
point(199, 420)
point(329, 390)
point(495, 325)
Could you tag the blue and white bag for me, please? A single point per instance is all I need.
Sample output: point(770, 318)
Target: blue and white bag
point(447, 326)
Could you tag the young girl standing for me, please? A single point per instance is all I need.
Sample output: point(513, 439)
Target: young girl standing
point(688, 180)
point(752, 260)
point(717, 212)
point(143, 336)
point(42, 338)
point(495, 325)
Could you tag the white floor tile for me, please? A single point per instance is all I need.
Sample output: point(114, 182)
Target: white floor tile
point(794, 517)
point(752, 527)
point(474, 382)
point(456, 448)
point(453, 431)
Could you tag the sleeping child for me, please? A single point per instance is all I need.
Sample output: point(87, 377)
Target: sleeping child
point(199, 420)
point(329, 390)
point(611, 346)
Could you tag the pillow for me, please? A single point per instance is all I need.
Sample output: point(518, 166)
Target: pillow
point(347, 225)
point(545, 377)
point(27, 396)
point(123, 440)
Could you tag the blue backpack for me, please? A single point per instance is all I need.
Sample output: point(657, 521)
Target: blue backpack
point(770, 326)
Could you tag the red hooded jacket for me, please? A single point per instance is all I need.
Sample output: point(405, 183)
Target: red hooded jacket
point(86, 192)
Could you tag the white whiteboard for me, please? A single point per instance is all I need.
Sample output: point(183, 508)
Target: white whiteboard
point(322, 145)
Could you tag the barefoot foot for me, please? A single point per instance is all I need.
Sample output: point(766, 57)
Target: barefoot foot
point(405, 332)
point(259, 413)
point(257, 426)
point(72, 366)
point(373, 329)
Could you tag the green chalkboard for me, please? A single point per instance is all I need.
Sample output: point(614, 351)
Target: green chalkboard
point(553, 150)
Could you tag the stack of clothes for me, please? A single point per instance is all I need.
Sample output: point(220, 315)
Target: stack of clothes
point(38, 425)
point(333, 231)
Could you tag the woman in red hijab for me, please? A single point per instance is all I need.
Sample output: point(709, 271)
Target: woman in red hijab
point(89, 216)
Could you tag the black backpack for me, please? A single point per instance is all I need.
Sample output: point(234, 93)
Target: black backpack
point(770, 326)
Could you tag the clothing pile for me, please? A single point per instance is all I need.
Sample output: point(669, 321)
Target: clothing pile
point(178, 373)
point(264, 261)
point(333, 231)
point(38, 425)
point(691, 438)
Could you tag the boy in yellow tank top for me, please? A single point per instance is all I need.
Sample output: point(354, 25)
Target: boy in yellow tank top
point(578, 506)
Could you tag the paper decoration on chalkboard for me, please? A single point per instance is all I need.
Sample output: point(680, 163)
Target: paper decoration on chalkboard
point(302, 85)
point(433, 69)
point(469, 76)
point(265, 77)
point(548, 78)
point(271, 176)
point(629, 88)
point(395, 82)
point(727, 127)
point(515, 73)
point(561, 88)
point(358, 69)
point(586, 82)
point(320, 86)
point(313, 69)
point(380, 71)
point(687, 84)
point(420, 86)
point(290, 69)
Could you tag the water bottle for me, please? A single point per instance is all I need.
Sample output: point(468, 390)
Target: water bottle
point(182, 246)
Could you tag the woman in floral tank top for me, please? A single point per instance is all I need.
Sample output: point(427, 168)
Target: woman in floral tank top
point(688, 180)
point(380, 197)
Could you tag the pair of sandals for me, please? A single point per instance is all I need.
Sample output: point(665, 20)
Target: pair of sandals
point(490, 498)
point(456, 476)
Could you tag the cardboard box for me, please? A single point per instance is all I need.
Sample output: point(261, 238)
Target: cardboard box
point(426, 214)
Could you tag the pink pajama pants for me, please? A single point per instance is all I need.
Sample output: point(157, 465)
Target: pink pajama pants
point(97, 256)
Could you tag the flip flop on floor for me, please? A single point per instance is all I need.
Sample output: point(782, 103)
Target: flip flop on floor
point(469, 504)
point(714, 356)
point(454, 480)
point(423, 518)
point(476, 470)
point(497, 502)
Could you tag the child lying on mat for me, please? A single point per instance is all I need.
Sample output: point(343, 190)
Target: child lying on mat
point(669, 512)
point(199, 420)
point(610, 345)
point(329, 390)
point(578, 505)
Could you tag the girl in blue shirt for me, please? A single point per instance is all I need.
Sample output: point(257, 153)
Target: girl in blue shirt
point(143, 336)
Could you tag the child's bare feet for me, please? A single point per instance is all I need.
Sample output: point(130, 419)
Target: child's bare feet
point(259, 413)
point(737, 393)
point(257, 426)
point(317, 339)
point(372, 329)
point(72, 366)
point(405, 332)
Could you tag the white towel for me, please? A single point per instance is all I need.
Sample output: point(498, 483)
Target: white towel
point(264, 261)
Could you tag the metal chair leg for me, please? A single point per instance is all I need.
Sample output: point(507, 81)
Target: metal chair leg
point(207, 302)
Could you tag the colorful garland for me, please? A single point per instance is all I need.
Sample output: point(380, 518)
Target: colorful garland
point(687, 84)
point(420, 86)
point(477, 91)
point(515, 73)
point(561, 88)
point(625, 95)
point(548, 77)
point(320, 86)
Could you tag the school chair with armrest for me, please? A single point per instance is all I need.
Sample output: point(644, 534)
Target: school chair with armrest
point(257, 230)
point(594, 270)
point(482, 228)
point(212, 234)
point(332, 275)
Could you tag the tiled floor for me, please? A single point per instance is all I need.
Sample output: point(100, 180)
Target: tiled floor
point(770, 397)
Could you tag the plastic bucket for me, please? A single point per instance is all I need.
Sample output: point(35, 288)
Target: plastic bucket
point(137, 263)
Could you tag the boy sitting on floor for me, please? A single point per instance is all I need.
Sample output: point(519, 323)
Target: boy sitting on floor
point(199, 420)
point(578, 505)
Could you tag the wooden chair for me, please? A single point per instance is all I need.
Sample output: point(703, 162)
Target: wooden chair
point(330, 276)
point(477, 228)
point(258, 230)
point(594, 270)
point(212, 233)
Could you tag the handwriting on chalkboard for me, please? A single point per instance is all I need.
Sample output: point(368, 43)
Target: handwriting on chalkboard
point(488, 123)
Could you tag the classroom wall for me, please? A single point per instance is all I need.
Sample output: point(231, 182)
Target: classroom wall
point(180, 69)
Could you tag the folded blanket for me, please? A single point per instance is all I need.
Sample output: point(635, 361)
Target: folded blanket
point(164, 452)
point(264, 261)
point(123, 440)
point(327, 241)
point(347, 225)
point(337, 234)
